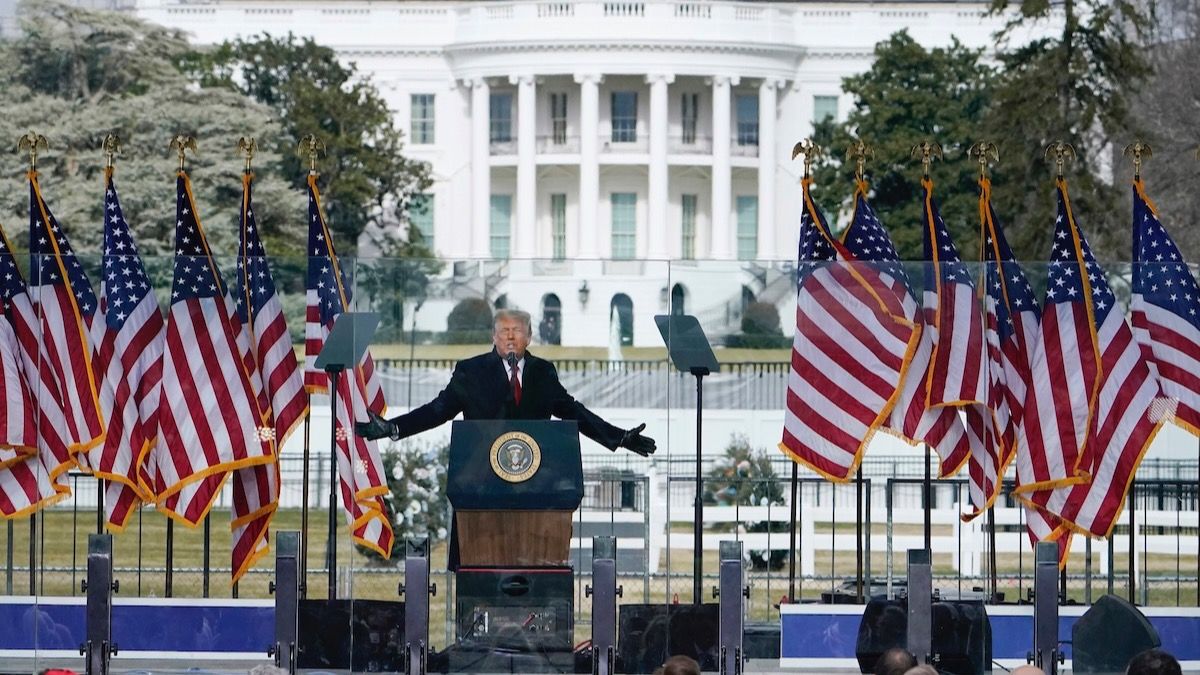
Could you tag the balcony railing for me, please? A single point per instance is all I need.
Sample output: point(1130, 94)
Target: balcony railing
point(693, 144)
point(557, 144)
point(744, 150)
point(508, 147)
point(639, 144)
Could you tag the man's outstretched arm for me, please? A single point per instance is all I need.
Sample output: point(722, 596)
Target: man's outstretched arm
point(443, 408)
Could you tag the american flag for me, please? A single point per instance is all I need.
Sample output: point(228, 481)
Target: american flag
point(1012, 329)
point(65, 302)
point(256, 489)
point(32, 482)
point(1166, 312)
point(360, 467)
point(911, 418)
point(1128, 410)
point(851, 343)
point(128, 333)
point(210, 421)
point(956, 374)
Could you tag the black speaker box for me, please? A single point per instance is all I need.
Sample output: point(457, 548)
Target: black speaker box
point(526, 610)
point(648, 634)
point(961, 634)
point(357, 635)
point(1108, 635)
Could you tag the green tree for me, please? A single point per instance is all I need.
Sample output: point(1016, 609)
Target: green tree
point(75, 75)
point(1076, 85)
point(911, 94)
point(368, 182)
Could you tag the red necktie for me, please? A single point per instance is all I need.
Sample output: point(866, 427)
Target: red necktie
point(516, 385)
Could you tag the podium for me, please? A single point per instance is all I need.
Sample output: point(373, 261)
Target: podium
point(514, 486)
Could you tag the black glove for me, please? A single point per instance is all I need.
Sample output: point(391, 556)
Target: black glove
point(635, 441)
point(376, 428)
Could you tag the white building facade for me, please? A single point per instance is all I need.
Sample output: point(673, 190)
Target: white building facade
point(594, 148)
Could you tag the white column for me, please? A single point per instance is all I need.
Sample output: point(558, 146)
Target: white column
point(587, 234)
point(767, 100)
point(722, 176)
point(525, 227)
point(481, 169)
point(658, 222)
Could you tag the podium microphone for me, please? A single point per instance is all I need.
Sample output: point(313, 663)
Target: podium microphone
point(512, 359)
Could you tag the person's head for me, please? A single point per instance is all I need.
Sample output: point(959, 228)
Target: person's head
point(681, 665)
point(1027, 669)
point(895, 661)
point(922, 669)
point(1153, 662)
point(511, 332)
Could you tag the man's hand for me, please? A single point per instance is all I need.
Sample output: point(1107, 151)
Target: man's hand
point(635, 441)
point(376, 428)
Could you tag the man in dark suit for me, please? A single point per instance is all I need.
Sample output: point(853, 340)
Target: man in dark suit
point(506, 383)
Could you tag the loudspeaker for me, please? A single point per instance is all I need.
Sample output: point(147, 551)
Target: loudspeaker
point(962, 634)
point(648, 634)
point(1108, 635)
point(528, 609)
point(357, 635)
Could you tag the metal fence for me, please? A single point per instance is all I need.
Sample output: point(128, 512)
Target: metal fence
point(845, 532)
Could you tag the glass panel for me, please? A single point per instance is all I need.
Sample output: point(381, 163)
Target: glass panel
point(824, 107)
point(624, 116)
point(688, 226)
point(501, 226)
point(500, 107)
point(746, 107)
point(422, 118)
point(747, 227)
point(624, 225)
point(558, 224)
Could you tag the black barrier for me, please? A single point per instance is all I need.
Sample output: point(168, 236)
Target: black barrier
point(960, 634)
point(416, 591)
point(732, 593)
point(286, 588)
point(604, 591)
point(648, 634)
point(920, 604)
point(1046, 654)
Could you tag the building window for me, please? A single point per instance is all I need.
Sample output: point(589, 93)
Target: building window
point(558, 117)
point(422, 119)
point(824, 108)
point(688, 227)
point(747, 227)
point(501, 225)
point(420, 215)
point(620, 317)
point(558, 225)
point(747, 119)
point(550, 327)
point(624, 117)
point(624, 225)
point(690, 114)
point(501, 109)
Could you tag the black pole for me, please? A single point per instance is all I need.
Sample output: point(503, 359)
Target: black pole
point(99, 506)
point(331, 546)
point(32, 553)
point(992, 554)
point(8, 568)
point(169, 584)
point(304, 510)
point(139, 566)
point(792, 536)
point(928, 490)
point(1132, 547)
point(858, 535)
point(207, 553)
point(698, 529)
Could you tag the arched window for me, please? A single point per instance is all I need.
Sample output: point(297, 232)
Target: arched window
point(501, 301)
point(678, 299)
point(621, 312)
point(550, 327)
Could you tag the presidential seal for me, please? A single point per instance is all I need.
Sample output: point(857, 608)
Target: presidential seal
point(516, 457)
